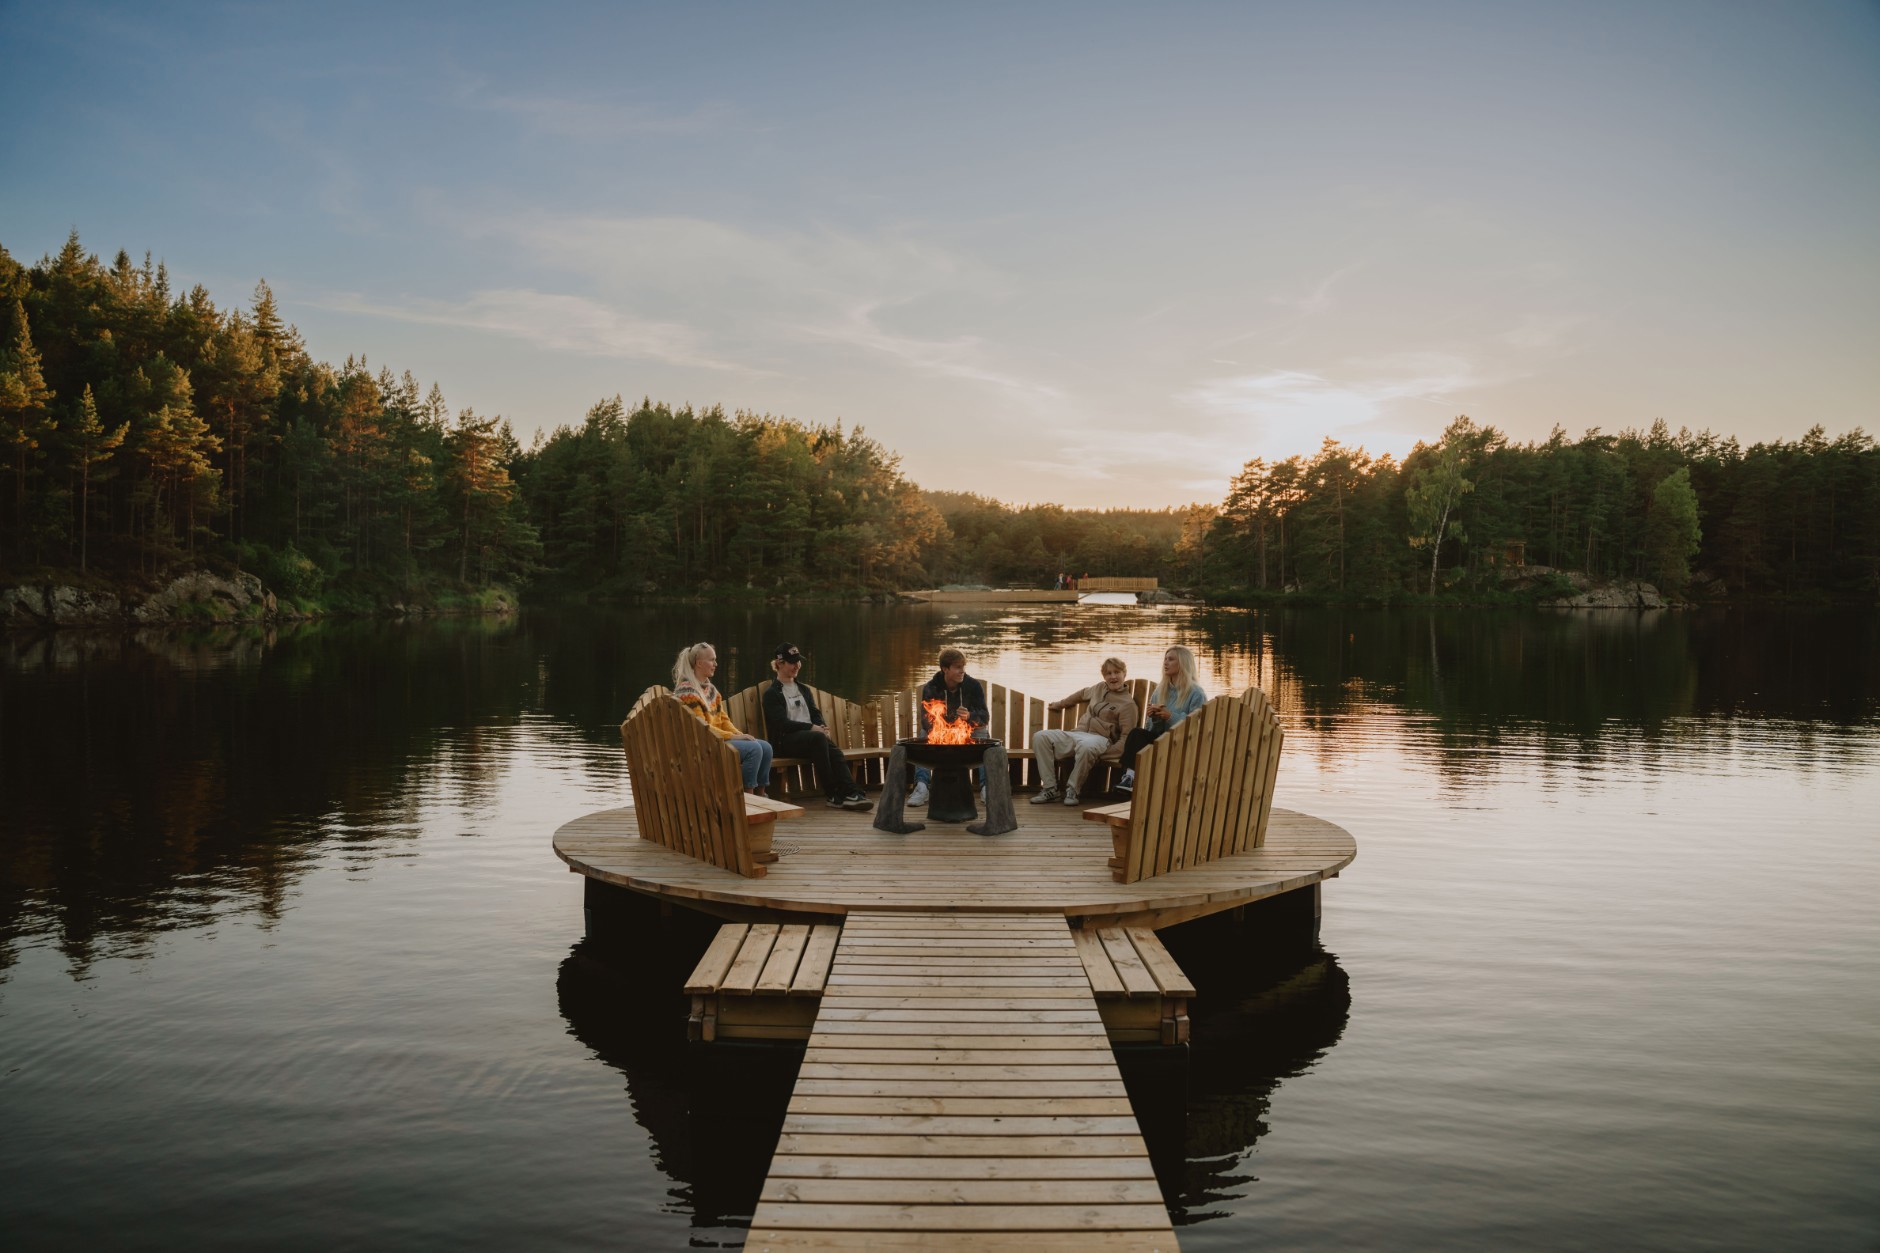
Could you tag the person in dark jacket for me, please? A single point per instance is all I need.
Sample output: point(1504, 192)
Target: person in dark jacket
point(963, 694)
point(796, 729)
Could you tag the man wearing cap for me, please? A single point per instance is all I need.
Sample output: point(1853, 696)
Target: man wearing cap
point(796, 729)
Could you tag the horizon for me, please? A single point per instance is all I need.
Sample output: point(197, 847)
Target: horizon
point(1117, 253)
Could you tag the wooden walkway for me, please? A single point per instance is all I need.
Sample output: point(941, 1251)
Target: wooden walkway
point(959, 1092)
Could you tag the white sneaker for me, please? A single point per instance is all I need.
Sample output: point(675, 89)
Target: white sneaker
point(1128, 782)
point(918, 797)
point(1071, 797)
point(1046, 797)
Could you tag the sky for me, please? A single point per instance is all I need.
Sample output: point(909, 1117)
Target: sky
point(1100, 255)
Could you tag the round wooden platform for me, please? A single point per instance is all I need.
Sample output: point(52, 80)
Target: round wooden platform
point(834, 861)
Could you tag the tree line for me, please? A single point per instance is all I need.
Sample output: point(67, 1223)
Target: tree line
point(146, 429)
point(1796, 519)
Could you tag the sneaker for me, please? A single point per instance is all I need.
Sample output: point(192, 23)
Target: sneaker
point(838, 802)
point(1128, 782)
point(1071, 797)
point(857, 799)
point(918, 797)
point(1046, 797)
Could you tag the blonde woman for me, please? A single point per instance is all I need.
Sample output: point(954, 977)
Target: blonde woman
point(1171, 700)
point(692, 683)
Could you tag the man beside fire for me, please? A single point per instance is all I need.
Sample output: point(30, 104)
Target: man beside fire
point(963, 697)
point(953, 711)
point(1111, 716)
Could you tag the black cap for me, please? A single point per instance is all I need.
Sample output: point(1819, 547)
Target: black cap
point(787, 652)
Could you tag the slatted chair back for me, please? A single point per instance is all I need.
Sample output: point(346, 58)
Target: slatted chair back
point(1204, 790)
point(688, 790)
point(645, 697)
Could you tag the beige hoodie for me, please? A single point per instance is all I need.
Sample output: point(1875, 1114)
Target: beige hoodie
point(1111, 714)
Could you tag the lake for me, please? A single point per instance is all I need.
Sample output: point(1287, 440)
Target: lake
point(286, 960)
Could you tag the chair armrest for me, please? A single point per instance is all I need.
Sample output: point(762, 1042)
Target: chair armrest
point(1116, 815)
point(762, 809)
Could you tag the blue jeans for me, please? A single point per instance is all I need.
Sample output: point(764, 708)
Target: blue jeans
point(754, 756)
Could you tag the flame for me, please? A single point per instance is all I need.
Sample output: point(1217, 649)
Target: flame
point(959, 731)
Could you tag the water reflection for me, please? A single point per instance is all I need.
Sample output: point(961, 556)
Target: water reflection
point(159, 779)
point(712, 1114)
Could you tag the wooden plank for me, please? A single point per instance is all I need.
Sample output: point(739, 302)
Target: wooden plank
point(769, 809)
point(916, 1144)
point(1161, 967)
point(1014, 1071)
point(780, 967)
point(991, 1108)
point(812, 972)
point(719, 954)
point(1137, 981)
point(790, 1166)
point(1098, 968)
point(876, 1191)
point(776, 1240)
point(921, 1082)
point(752, 954)
point(925, 1218)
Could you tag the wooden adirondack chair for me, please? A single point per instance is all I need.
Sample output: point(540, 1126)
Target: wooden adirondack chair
point(1203, 791)
point(688, 790)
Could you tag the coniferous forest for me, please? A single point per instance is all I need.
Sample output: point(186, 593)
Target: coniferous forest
point(147, 431)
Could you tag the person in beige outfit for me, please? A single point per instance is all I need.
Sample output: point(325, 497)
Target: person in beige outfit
point(1111, 716)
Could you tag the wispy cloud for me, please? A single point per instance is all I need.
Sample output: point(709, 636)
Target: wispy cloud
point(1368, 401)
point(590, 117)
point(962, 357)
point(893, 297)
point(563, 323)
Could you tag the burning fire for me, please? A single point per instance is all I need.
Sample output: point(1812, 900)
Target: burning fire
point(958, 731)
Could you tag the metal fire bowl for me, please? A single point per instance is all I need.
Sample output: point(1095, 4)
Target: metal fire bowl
point(946, 756)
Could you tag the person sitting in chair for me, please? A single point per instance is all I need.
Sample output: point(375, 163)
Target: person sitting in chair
point(796, 729)
point(692, 684)
point(1177, 696)
point(1111, 716)
point(961, 692)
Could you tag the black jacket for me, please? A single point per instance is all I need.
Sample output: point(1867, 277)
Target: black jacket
point(969, 695)
point(777, 723)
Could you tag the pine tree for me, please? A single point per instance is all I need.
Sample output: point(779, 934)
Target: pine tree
point(25, 410)
point(91, 445)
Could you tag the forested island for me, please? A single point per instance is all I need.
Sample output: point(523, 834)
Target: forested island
point(150, 434)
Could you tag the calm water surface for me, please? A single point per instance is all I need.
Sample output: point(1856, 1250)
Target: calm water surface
point(286, 961)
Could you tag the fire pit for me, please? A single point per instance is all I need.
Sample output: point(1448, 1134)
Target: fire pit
point(950, 795)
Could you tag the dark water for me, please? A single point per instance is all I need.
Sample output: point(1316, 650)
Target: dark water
point(285, 959)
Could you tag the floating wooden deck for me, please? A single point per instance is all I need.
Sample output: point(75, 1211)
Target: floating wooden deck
point(832, 863)
point(996, 596)
point(959, 1092)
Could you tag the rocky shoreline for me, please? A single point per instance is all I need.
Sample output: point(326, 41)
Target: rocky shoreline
point(194, 598)
point(198, 598)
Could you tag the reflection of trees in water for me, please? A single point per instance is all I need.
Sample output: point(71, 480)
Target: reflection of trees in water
point(712, 1114)
point(1562, 681)
point(1267, 1010)
point(164, 780)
